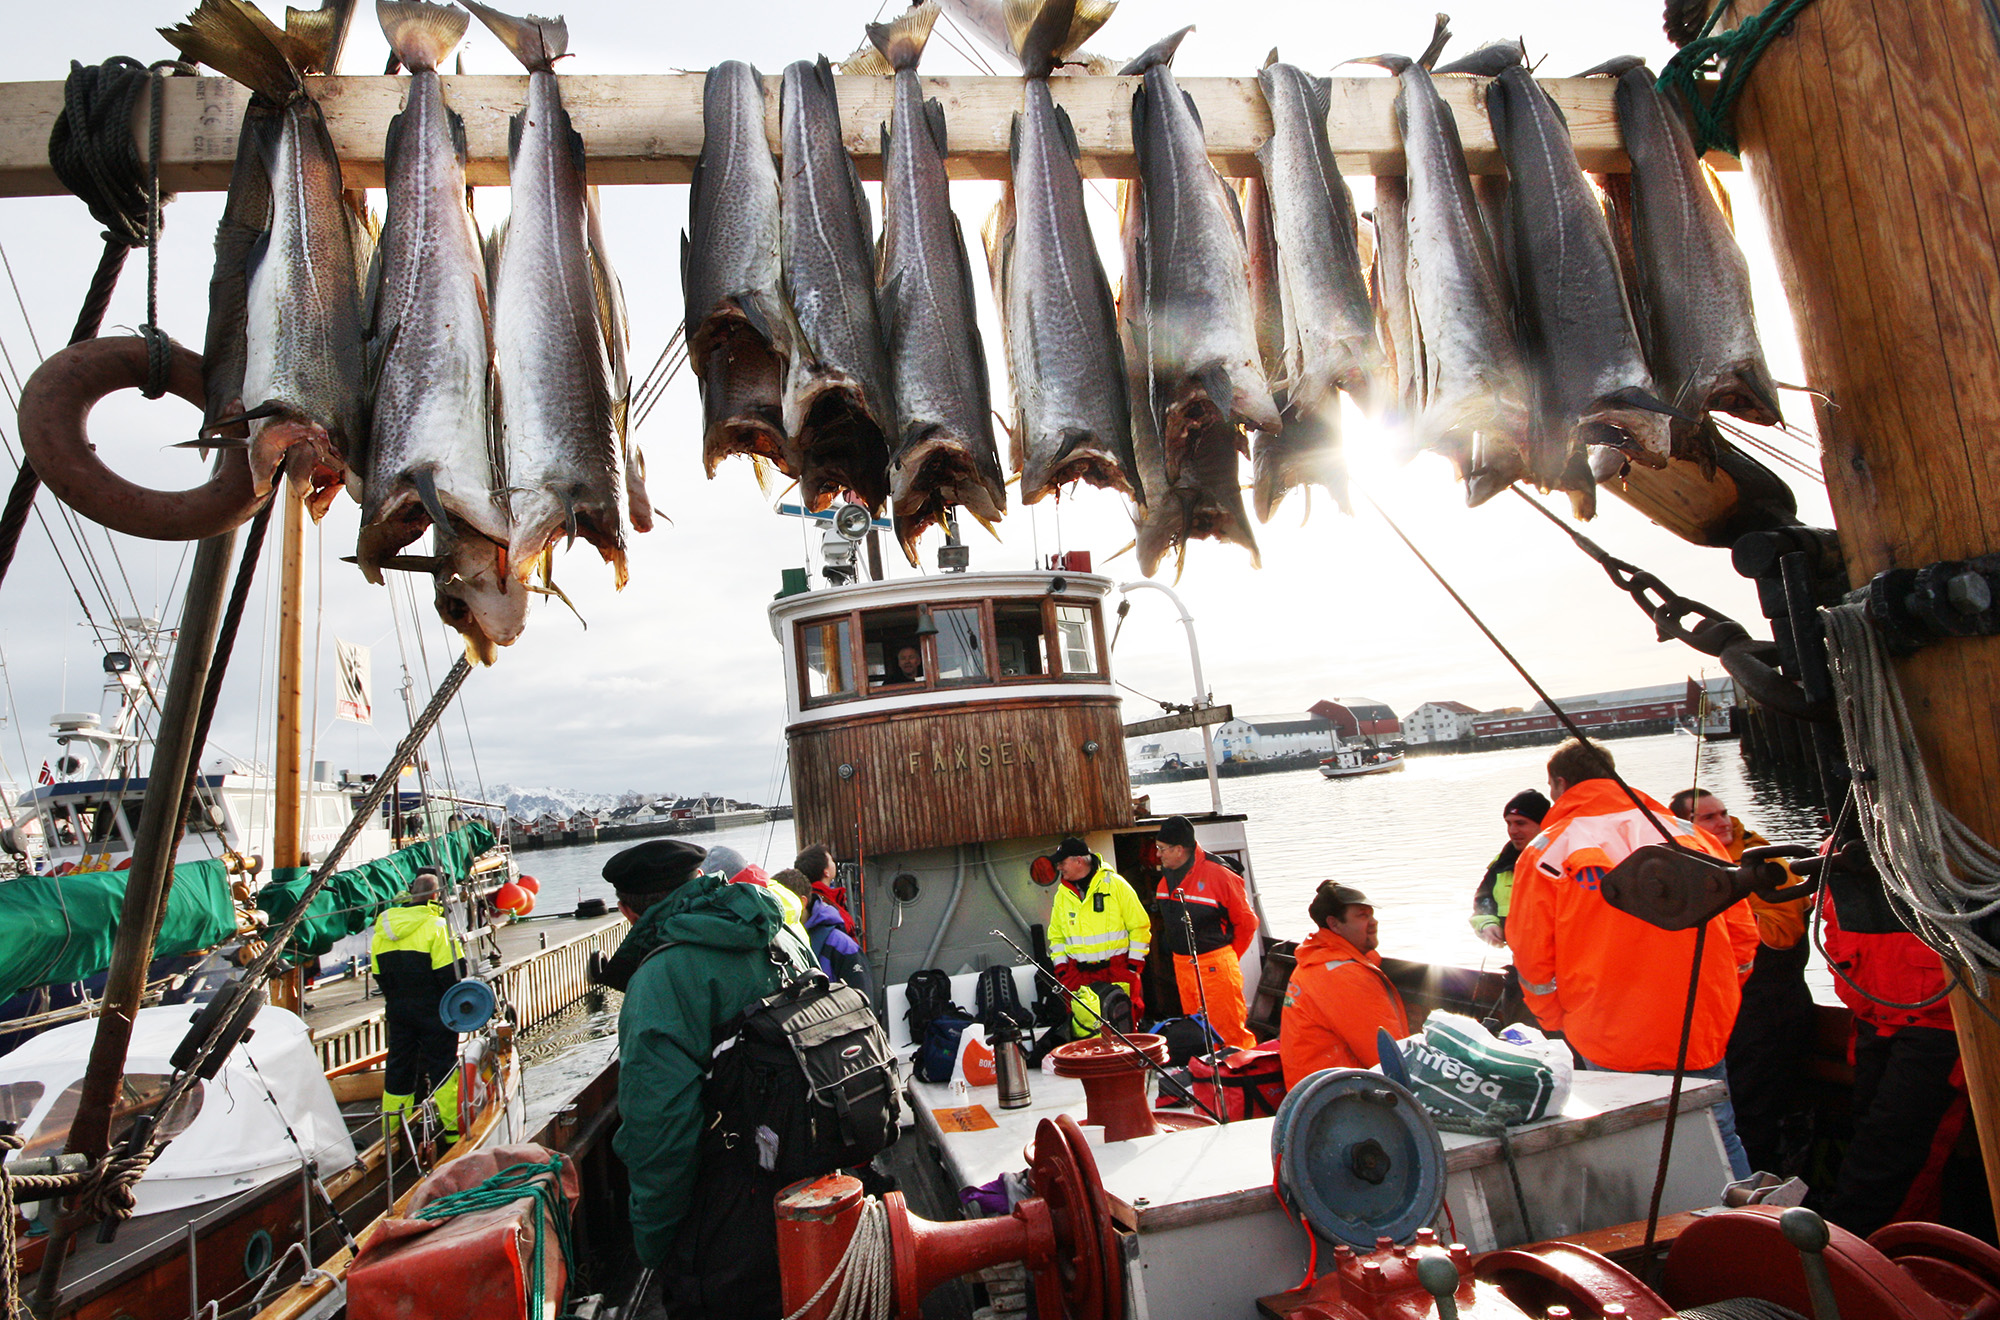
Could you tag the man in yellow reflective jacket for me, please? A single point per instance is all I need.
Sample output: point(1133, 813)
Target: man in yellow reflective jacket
point(1098, 929)
point(415, 960)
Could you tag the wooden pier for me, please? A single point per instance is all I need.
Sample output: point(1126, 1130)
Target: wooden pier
point(545, 967)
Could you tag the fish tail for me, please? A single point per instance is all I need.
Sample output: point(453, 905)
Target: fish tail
point(1157, 55)
point(902, 41)
point(316, 37)
point(1044, 33)
point(235, 39)
point(537, 42)
point(422, 34)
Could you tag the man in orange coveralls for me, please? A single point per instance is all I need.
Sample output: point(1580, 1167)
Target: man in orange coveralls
point(1614, 985)
point(1211, 899)
point(1338, 997)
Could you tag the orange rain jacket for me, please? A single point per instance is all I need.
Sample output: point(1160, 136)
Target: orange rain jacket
point(1779, 925)
point(1613, 984)
point(1337, 999)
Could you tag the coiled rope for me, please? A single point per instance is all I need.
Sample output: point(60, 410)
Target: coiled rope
point(1941, 877)
point(866, 1271)
point(1731, 56)
point(107, 1189)
point(532, 1180)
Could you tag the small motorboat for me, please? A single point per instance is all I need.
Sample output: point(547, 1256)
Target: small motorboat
point(1351, 761)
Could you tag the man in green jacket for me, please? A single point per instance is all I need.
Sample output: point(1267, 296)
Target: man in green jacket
point(700, 952)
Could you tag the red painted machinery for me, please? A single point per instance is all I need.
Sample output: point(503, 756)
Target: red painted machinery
point(832, 1240)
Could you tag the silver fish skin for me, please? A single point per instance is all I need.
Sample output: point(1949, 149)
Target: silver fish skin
point(302, 313)
point(731, 276)
point(1329, 325)
point(558, 330)
point(945, 454)
point(1072, 416)
point(1473, 388)
point(432, 459)
point(246, 211)
point(477, 596)
point(1308, 450)
point(1198, 328)
point(1389, 290)
point(1693, 290)
point(839, 404)
point(1206, 499)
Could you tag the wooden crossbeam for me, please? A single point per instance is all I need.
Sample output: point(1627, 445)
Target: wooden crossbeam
point(646, 128)
point(1187, 719)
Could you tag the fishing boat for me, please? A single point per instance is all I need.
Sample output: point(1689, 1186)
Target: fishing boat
point(1349, 762)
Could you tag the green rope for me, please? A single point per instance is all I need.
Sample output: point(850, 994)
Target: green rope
point(1731, 56)
point(518, 1182)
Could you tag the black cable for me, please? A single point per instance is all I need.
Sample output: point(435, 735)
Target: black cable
point(1674, 1092)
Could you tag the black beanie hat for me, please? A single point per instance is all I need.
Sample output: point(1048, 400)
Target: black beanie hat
point(654, 866)
point(1072, 847)
point(1527, 803)
point(1178, 831)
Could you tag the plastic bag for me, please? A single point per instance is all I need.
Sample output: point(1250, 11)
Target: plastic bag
point(1460, 1069)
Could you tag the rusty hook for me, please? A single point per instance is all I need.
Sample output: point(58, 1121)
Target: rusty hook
point(55, 406)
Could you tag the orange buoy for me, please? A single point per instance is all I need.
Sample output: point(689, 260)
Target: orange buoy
point(512, 898)
point(529, 883)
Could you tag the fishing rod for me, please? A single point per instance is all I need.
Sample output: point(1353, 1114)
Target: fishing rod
point(1209, 1037)
point(1166, 1077)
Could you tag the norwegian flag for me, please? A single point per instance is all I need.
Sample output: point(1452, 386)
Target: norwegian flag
point(46, 777)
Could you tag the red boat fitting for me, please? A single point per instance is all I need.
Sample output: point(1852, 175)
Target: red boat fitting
point(1114, 1085)
point(55, 410)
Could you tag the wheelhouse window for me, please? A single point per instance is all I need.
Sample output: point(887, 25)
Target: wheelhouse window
point(1076, 636)
point(893, 648)
point(960, 643)
point(1019, 642)
point(828, 659)
point(140, 1095)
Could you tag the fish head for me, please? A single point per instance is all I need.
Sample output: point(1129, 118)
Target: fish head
point(480, 599)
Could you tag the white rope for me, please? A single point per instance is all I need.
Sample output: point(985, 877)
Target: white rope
point(1943, 878)
point(865, 1271)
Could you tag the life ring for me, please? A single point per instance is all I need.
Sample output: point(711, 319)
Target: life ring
point(55, 406)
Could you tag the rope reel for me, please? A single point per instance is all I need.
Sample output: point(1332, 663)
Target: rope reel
point(1357, 1158)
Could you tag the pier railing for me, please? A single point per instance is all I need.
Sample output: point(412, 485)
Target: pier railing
point(538, 985)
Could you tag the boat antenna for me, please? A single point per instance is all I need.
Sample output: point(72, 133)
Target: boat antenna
point(1167, 1079)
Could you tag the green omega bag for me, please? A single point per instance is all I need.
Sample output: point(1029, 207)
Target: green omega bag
point(1460, 1069)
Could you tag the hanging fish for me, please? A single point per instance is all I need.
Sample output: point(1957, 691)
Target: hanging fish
point(301, 387)
point(945, 454)
point(1206, 498)
point(1691, 294)
point(1197, 332)
point(558, 331)
point(1307, 451)
point(1071, 416)
point(432, 461)
point(738, 326)
point(246, 218)
point(1472, 388)
point(1389, 291)
point(1329, 325)
point(1592, 383)
point(839, 406)
point(476, 595)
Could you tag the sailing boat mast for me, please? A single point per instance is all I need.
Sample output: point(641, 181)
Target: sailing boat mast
point(287, 778)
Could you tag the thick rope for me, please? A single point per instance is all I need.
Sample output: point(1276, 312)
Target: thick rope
point(1941, 877)
point(1731, 56)
point(539, 1182)
point(1498, 1119)
point(866, 1271)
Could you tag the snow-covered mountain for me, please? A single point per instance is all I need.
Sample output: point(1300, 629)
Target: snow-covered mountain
point(528, 803)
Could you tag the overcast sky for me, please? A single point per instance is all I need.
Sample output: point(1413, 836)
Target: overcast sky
point(674, 685)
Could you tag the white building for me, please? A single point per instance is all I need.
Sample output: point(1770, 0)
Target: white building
point(1438, 721)
point(1273, 737)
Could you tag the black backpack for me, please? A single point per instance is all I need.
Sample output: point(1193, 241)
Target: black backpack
point(996, 998)
point(929, 993)
point(803, 1081)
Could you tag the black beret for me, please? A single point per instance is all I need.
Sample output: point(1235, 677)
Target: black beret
point(654, 865)
point(1178, 831)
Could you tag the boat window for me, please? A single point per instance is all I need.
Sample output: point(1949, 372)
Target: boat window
point(17, 1101)
point(1018, 641)
point(894, 649)
point(829, 668)
point(960, 643)
point(1076, 633)
point(140, 1094)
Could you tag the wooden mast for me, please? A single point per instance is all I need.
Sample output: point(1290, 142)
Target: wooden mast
point(287, 774)
point(1873, 135)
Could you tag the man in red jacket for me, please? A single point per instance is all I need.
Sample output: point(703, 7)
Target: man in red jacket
point(1614, 985)
point(1339, 996)
point(1199, 892)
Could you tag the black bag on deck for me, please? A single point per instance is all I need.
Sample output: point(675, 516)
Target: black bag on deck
point(996, 997)
point(803, 1082)
point(929, 998)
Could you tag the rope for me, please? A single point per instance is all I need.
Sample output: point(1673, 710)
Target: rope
point(1674, 1092)
point(10, 1268)
point(1943, 878)
point(1730, 56)
point(1495, 1124)
point(537, 1181)
point(866, 1271)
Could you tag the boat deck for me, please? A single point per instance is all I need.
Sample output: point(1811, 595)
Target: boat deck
point(544, 968)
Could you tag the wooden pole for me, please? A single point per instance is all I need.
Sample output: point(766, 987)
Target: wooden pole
point(287, 777)
point(1872, 132)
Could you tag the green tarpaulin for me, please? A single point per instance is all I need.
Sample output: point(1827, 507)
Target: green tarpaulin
point(60, 928)
point(352, 899)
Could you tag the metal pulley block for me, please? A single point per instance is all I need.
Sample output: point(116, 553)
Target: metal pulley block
point(1678, 888)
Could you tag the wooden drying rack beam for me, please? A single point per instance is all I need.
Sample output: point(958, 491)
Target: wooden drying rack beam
point(646, 128)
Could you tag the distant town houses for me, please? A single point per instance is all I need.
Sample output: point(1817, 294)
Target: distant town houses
point(1322, 728)
point(1438, 722)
